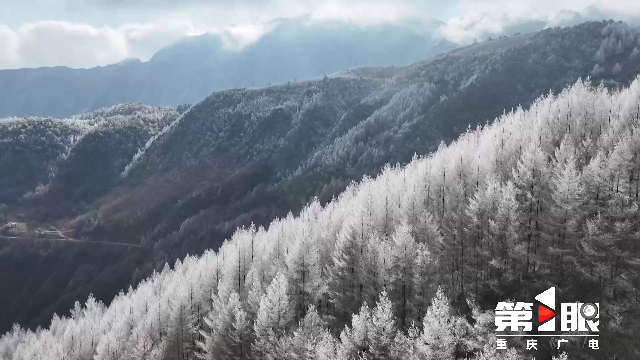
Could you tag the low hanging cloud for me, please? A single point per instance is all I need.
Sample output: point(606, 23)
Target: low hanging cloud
point(9, 41)
point(505, 18)
point(77, 45)
point(51, 42)
point(86, 32)
point(80, 45)
point(235, 38)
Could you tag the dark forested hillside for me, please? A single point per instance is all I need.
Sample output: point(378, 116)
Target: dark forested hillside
point(409, 264)
point(52, 169)
point(251, 155)
point(97, 146)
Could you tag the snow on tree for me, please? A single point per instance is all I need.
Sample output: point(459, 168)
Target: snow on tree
point(404, 250)
point(617, 69)
point(563, 356)
point(308, 339)
point(354, 340)
point(326, 348)
point(424, 273)
point(382, 329)
point(181, 331)
point(254, 288)
point(344, 282)
point(304, 269)
point(240, 335)
point(143, 349)
point(597, 70)
point(274, 319)
point(229, 335)
point(600, 55)
point(438, 339)
point(549, 193)
point(567, 197)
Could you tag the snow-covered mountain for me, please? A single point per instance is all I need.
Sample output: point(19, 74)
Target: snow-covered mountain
point(546, 196)
point(84, 153)
point(252, 155)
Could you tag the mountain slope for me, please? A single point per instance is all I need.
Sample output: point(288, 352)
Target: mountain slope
point(192, 69)
point(100, 144)
point(267, 174)
point(61, 166)
point(252, 155)
point(457, 224)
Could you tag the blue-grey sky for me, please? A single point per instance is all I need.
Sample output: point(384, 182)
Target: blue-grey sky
point(86, 33)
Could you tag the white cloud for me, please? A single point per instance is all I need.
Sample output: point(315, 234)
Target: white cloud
point(49, 43)
point(143, 40)
point(237, 37)
point(52, 43)
point(466, 29)
point(483, 19)
point(87, 33)
point(365, 12)
point(9, 41)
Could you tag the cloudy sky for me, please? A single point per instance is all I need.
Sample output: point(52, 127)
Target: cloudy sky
point(86, 33)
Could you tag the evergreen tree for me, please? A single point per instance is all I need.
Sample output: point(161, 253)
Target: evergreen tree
point(438, 339)
point(306, 340)
point(273, 320)
point(181, 332)
point(382, 329)
point(567, 198)
point(221, 322)
point(372, 333)
point(354, 340)
point(143, 349)
point(407, 346)
point(404, 252)
point(343, 281)
point(240, 334)
point(424, 273)
point(254, 289)
point(326, 348)
point(529, 178)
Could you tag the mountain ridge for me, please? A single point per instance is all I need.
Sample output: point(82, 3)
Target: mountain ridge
point(252, 155)
point(191, 69)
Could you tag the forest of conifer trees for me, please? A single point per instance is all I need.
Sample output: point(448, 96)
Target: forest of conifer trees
point(411, 264)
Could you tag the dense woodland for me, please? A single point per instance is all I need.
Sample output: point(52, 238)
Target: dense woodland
point(408, 264)
point(54, 168)
point(251, 155)
point(36, 153)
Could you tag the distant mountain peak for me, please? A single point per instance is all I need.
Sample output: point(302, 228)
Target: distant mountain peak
point(128, 61)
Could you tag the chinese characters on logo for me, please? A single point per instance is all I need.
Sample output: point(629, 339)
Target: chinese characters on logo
point(576, 320)
point(513, 316)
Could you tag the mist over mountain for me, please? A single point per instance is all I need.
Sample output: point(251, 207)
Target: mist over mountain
point(190, 70)
point(251, 155)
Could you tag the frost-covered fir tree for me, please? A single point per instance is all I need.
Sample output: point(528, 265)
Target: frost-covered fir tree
point(228, 332)
point(307, 340)
point(438, 339)
point(404, 253)
point(344, 282)
point(372, 333)
point(274, 319)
